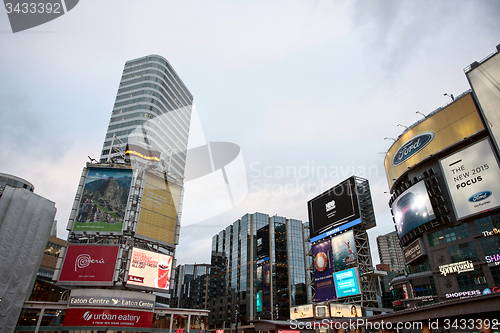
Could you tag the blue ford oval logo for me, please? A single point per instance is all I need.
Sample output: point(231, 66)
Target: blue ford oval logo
point(480, 196)
point(411, 147)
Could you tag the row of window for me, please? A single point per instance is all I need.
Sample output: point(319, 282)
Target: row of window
point(147, 83)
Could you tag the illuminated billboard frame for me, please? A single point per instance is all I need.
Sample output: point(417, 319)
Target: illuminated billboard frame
point(103, 200)
point(412, 209)
point(302, 311)
point(332, 209)
point(159, 210)
point(89, 265)
point(338, 310)
point(347, 282)
point(472, 178)
point(149, 270)
point(449, 126)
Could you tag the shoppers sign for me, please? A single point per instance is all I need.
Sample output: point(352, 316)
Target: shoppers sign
point(108, 317)
point(89, 265)
point(457, 267)
point(149, 270)
point(100, 301)
point(493, 260)
point(473, 179)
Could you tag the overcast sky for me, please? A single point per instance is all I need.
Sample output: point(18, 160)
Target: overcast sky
point(298, 85)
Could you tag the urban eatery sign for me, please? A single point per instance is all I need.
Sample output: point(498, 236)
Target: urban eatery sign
point(411, 147)
point(457, 267)
point(108, 317)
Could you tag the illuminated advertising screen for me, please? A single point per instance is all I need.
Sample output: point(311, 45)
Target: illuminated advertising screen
point(301, 312)
point(485, 81)
point(158, 214)
point(104, 200)
point(345, 310)
point(108, 317)
point(412, 209)
point(473, 179)
point(149, 270)
point(322, 311)
point(323, 271)
point(347, 282)
point(333, 208)
point(344, 251)
point(89, 265)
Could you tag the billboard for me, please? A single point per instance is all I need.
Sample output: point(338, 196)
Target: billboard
point(108, 317)
point(149, 270)
point(412, 209)
point(485, 81)
point(158, 213)
point(344, 251)
point(322, 311)
point(323, 271)
point(89, 265)
point(345, 310)
point(472, 177)
point(347, 282)
point(301, 312)
point(414, 251)
point(436, 132)
point(333, 208)
point(104, 200)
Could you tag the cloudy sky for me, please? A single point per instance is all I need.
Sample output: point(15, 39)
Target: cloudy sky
point(299, 85)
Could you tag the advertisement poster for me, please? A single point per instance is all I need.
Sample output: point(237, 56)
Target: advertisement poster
point(108, 317)
point(412, 209)
point(266, 287)
point(347, 282)
point(413, 251)
point(333, 208)
point(345, 310)
point(149, 269)
point(323, 271)
point(344, 251)
point(104, 200)
point(89, 264)
point(473, 179)
point(158, 214)
point(301, 312)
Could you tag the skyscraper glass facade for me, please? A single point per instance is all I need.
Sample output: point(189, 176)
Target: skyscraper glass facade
point(258, 270)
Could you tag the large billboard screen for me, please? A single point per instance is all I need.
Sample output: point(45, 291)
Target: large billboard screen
point(345, 310)
point(347, 282)
point(333, 208)
point(436, 132)
point(323, 271)
point(485, 81)
point(89, 265)
point(344, 251)
point(104, 200)
point(473, 179)
point(158, 214)
point(149, 270)
point(412, 209)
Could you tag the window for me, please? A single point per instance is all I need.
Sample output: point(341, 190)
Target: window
point(461, 252)
point(472, 280)
point(449, 235)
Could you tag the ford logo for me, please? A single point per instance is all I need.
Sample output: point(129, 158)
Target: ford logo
point(411, 147)
point(479, 196)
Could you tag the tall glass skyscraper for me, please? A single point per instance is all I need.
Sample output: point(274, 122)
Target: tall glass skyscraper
point(259, 269)
point(152, 110)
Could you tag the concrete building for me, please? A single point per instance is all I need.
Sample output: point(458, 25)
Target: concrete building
point(258, 269)
point(14, 182)
point(390, 252)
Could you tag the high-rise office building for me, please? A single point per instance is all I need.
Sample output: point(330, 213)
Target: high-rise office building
point(152, 111)
point(191, 286)
point(390, 252)
point(258, 270)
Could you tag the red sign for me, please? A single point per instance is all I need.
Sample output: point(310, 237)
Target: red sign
point(108, 317)
point(93, 263)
